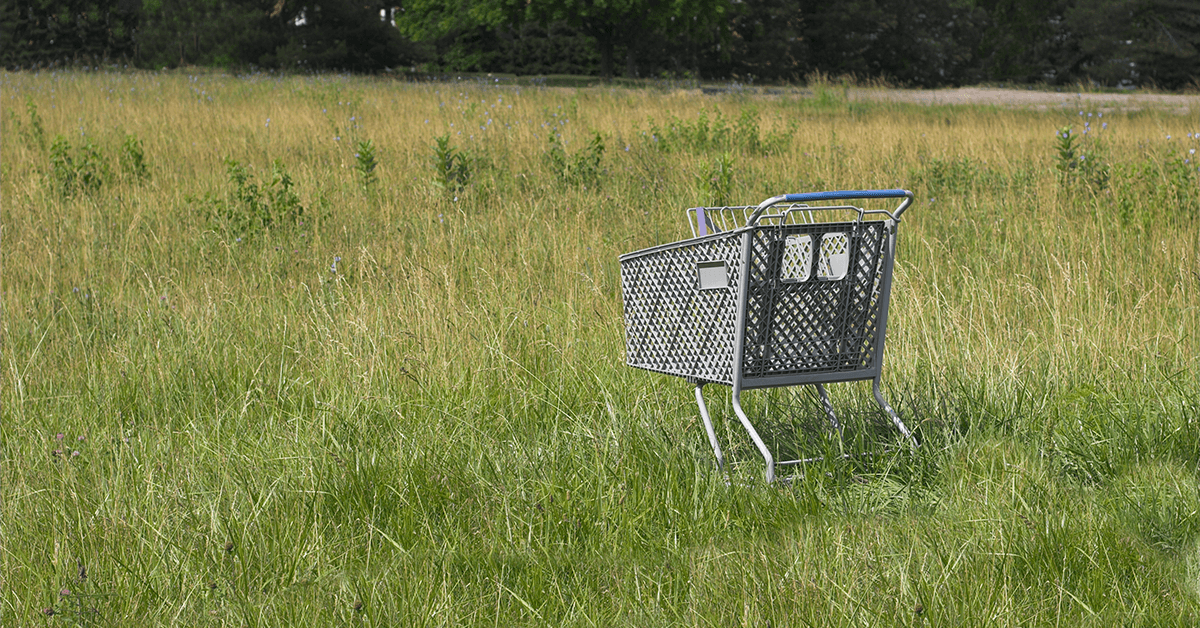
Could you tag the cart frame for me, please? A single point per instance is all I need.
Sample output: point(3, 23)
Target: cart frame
point(809, 302)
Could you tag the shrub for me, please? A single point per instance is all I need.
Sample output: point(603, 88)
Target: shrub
point(582, 168)
point(365, 163)
point(73, 171)
point(1079, 162)
point(133, 159)
point(37, 133)
point(249, 209)
point(717, 134)
point(451, 166)
point(718, 182)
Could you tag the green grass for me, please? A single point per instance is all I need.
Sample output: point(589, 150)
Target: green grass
point(298, 398)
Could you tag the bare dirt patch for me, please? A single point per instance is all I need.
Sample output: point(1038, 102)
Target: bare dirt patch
point(1031, 99)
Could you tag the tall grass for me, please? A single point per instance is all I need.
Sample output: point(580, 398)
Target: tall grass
point(279, 394)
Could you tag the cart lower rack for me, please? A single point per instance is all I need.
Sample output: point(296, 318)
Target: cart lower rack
point(780, 299)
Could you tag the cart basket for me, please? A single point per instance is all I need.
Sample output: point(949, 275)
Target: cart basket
point(781, 299)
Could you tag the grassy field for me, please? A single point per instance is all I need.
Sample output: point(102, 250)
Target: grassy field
point(259, 372)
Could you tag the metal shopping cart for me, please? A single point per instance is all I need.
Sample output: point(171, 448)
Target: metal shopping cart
point(768, 296)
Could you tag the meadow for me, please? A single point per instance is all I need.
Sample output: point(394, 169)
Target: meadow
point(336, 350)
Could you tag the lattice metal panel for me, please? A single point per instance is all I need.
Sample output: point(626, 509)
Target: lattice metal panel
point(824, 324)
point(679, 320)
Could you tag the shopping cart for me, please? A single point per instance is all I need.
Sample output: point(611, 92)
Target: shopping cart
point(767, 296)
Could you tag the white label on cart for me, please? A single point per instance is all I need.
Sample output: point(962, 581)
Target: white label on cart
point(797, 258)
point(711, 275)
point(835, 256)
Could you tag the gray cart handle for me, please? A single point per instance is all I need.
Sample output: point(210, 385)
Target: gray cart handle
point(838, 195)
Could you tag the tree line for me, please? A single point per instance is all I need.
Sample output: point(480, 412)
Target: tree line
point(910, 42)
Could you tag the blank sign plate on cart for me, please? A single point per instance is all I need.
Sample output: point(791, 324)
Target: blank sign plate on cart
point(712, 275)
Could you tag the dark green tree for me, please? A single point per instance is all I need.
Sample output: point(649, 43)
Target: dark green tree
point(1024, 40)
point(354, 35)
point(916, 42)
point(766, 40)
point(462, 35)
point(175, 33)
point(631, 24)
point(553, 48)
point(1117, 42)
point(41, 32)
point(930, 42)
point(842, 35)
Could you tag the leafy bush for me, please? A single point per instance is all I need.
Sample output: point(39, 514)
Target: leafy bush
point(718, 182)
point(77, 170)
point(365, 163)
point(62, 165)
point(451, 166)
point(91, 167)
point(1079, 162)
point(582, 168)
point(1157, 187)
point(284, 204)
point(36, 135)
point(250, 209)
point(133, 159)
point(957, 177)
point(717, 134)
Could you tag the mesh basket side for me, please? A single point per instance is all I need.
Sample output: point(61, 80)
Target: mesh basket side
point(824, 324)
point(672, 325)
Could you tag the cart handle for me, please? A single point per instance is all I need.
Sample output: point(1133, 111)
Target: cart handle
point(834, 196)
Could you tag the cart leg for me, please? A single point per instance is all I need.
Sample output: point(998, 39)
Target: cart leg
point(708, 427)
point(833, 420)
point(892, 413)
point(758, 442)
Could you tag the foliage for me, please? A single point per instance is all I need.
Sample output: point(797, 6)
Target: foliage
point(451, 166)
point(37, 132)
point(37, 33)
point(133, 158)
point(1026, 41)
point(912, 42)
point(338, 35)
point(554, 48)
point(938, 177)
point(215, 33)
point(718, 181)
point(716, 134)
point(365, 163)
point(283, 203)
point(1080, 161)
point(1068, 160)
point(1161, 187)
point(766, 41)
point(80, 170)
point(925, 42)
point(62, 165)
point(612, 24)
point(251, 209)
point(1137, 42)
point(580, 168)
